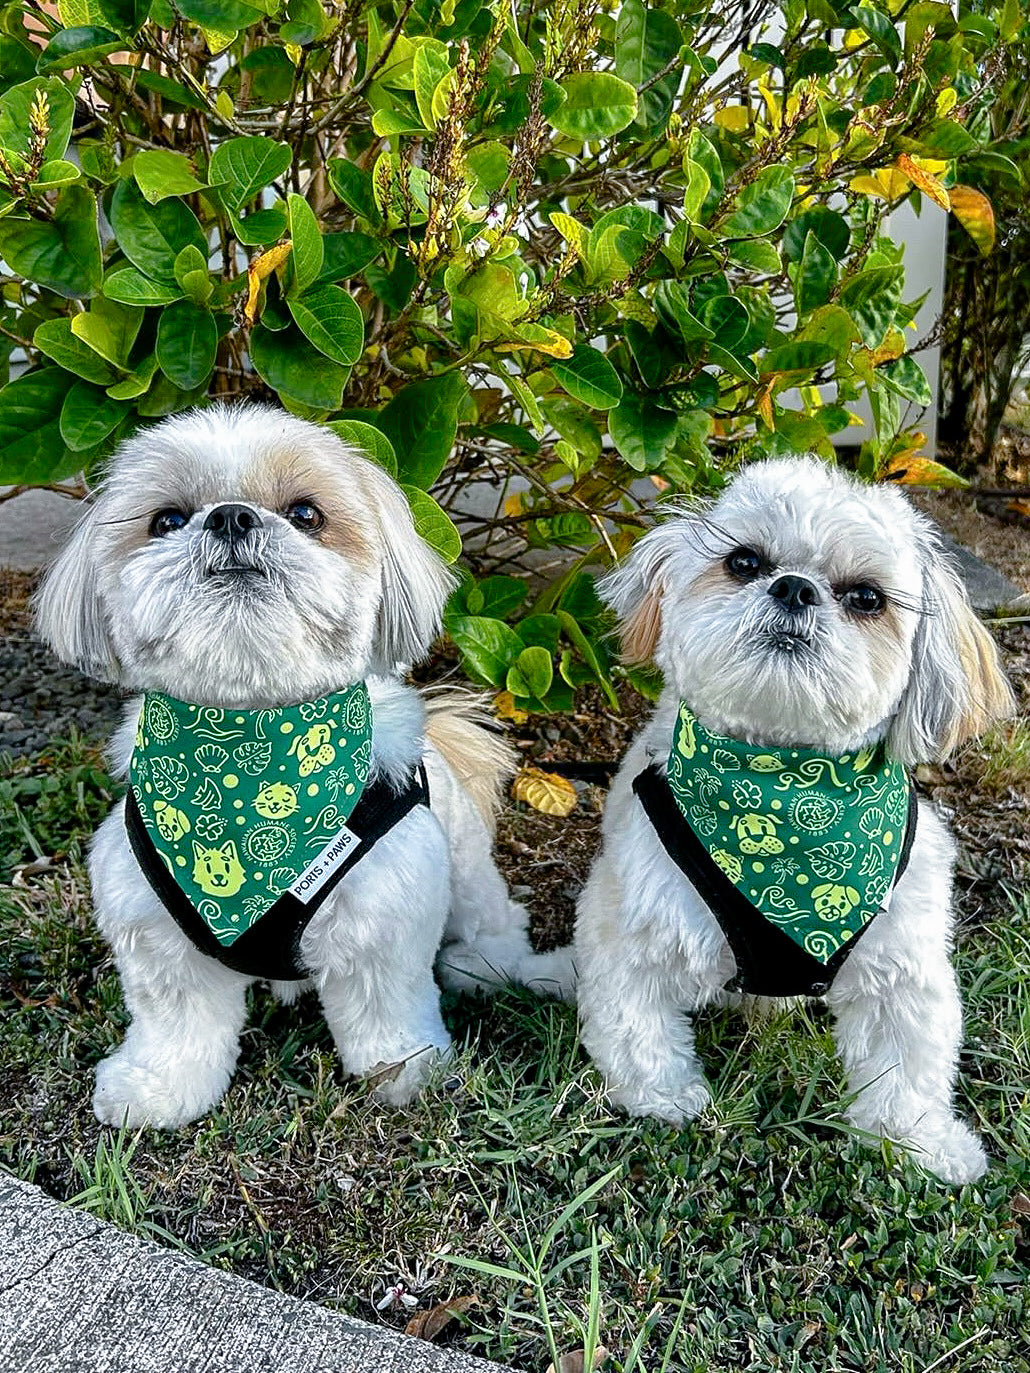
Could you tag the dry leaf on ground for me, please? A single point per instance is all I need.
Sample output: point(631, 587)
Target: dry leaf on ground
point(545, 791)
point(575, 1360)
point(426, 1325)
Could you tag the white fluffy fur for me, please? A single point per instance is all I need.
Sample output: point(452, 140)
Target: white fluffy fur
point(359, 601)
point(924, 675)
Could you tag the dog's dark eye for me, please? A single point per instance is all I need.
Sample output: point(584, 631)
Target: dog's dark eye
point(863, 600)
point(305, 516)
point(167, 522)
point(744, 563)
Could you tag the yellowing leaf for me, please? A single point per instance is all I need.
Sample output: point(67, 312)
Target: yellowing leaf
point(916, 470)
point(263, 266)
point(571, 231)
point(765, 407)
point(545, 791)
point(924, 180)
point(887, 183)
point(735, 118)
point(946, 101)
point(514, 504)
point(975, 213)
point(892, 347)
point(539, 339)
point(216, 40)
point(506, 709)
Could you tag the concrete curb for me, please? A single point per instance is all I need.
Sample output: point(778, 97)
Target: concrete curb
point(79, 1296)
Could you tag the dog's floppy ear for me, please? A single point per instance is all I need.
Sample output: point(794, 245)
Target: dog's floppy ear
point(69, 613)
point(635, 588)
point(415, 582)
point(957, 688)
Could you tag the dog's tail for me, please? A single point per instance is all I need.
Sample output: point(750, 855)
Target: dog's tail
point(461, 728)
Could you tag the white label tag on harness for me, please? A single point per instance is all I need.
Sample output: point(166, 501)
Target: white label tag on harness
point(320, 869)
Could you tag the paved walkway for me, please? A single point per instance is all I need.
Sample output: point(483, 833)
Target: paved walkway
point(78, 1296)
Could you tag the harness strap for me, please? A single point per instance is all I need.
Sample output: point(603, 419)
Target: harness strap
point(271, 947)
point(769, 962)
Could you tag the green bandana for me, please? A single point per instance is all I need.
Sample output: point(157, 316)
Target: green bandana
point(813, 842)
point(244, 806)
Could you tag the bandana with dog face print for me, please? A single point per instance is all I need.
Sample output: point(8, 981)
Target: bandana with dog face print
point(813, 842)
point(245, 806)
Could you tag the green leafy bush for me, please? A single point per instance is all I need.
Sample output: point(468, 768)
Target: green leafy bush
point(543, 260)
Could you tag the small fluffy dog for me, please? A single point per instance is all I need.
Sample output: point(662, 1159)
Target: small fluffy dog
point(761, 835)
point(265, 587)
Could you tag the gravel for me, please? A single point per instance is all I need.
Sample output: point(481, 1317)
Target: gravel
point(42, 700)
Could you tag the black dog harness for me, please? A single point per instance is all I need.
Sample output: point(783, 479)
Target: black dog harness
point(769, 961)
point(270, 948)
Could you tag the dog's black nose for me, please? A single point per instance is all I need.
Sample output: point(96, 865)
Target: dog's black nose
point(232, 522)
point(795, 593)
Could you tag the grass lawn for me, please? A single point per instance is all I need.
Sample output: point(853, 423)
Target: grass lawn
point(767, 1237)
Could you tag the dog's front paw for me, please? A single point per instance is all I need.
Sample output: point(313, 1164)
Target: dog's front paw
point(399, 1083)
point(949, 1149)
point(131, 1093)
point(675, 1106)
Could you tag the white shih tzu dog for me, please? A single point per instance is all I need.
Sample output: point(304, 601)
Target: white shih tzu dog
point(294, 810)
point(762, 835)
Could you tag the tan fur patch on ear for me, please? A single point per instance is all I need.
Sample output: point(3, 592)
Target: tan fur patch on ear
point(990, 697)
point(641, 629)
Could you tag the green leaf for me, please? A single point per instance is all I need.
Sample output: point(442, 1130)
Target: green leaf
point(758, 254)
point(62, 253)
point(642, 432)
point(308, 253)
point(292, 367)
point(830, 228)
point(797, 356)
point(245, 166)
point(192, 275)
point(905, 376)
point(15, 108)
point(488, 647)
point(131, 287)
point(329, 317)
point(78, 47)
point(880, 28)
point(172, 92)
point(136, 383)
point(516, 104)
point(597, 105)
point(88, 416)
point(187, 344)
point(160, 173)
point(53, 174)
point(345, 255)
point(646, 41)
point(354, 187)
point(433, 524)
point(531, 674)
point(816, 276)
point(589, 377)
point(109, 328)
point(54, 338)
point(31, 447)
point(763, 205)
point(872, 298)
point(152, 236)
point(260, 227)
point(372, 442)
point(428, 70)
point(221, 16)
point(421, 422)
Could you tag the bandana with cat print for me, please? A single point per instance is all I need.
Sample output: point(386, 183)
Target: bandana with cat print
point(794, 851)
point(245, 807)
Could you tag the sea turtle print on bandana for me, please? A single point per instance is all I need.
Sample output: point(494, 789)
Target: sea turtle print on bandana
point(245, 806)
point(813, 842)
